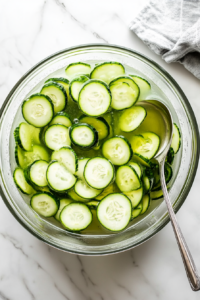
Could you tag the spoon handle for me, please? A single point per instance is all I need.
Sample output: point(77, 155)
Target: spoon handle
point(189, 264)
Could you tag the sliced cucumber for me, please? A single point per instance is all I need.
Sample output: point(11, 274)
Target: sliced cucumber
point(26, 136)
point(63, 203)
point(146, 184)
point(143, 161)
point(145, 145)
point(59, 178)
point(45, 204)
point(63, 81)
point(57, 136)
point(125, 92)
point(61, 118)
point(136, 211)
point(136, 167)
point(176, 138)
point(112, 188)
point(71, 193)
point(76, 216)
point(132, 118)
point(145, 203)
point(107, 71)
point(170, 156)
point(36, 173)
point(38, 110)
point(57, 93)
point(100, 124)
point(78, 68)
point(117, 150)
point(93, 204)
point(143, 84)
point(99, 172)
point(83, 135)
point(81, 165)
point(127, 179)
point(94, 98)
point(114, 212)
point(85, 191)
point(67, 157)
point(155, 195)
point(135, 196)
point(21, 182)
point(168, 176)
point(76, 85)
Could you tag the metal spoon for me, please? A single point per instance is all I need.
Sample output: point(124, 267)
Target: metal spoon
point(189, 264)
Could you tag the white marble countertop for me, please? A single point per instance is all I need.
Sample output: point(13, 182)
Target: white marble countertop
point(29, 269)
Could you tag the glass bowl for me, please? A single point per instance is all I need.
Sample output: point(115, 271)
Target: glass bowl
point(184, 169)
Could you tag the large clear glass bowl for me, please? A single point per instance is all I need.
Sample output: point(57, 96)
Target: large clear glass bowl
point(184, 169)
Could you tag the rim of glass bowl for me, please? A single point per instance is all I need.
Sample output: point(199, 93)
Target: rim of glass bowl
point(193, 164)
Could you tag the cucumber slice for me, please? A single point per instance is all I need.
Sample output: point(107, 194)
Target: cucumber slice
point(145, 203)
point(176, 139)
point(63, 81)
point(155, 195)
point(78, 68)
point(59, 178)
point(100, 124)
point(125, 92)
point(168, 176)
point(135, 196)
point(92, 204)
point(146, 184)
point(57, 136)
point(112, 188)
point(99, 172)
point(81, 165)
point(26, 135)
point(36, 173)
point(83, 135)
point(143, 84)
point(57, 94)
point(71, 193)
point(107, 71)
point(170, 156)
point(117, 150)
point(61, 118)
point(63, 203)
point(38, 110)
point(114, 212)
point(145, 145)
point(85, 191)
point(76, 85)
point(94, 98)
point(44, 204)
point(136, 211)
point(76, 216)
point(127, 179)
point(136, 167)
point(67, 157)
point(132, 118)
point(21, 182)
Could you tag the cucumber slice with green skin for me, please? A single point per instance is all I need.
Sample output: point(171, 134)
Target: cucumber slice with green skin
point(168, 176)
point(100, 124)
point(63, 203)
point(63, 81)
point(135, 196)
point(38, 110)
point(76, 85)
point(71, 193)
point(107, 71)
point(170, 156)
point(36, 173)
point(59, 178)
point(85, 191)
point(143, 161)
point(125, 92)
point(45, 204)
point(26, 135)
point(81, 165)
point(99, 172)
point(136, 211)
point(112, 188)
point(146, 184)
point(21, 182)
point(93, 204)
point(94, 98)
point(176, 139)
point(143, 84)
point(127, 179)
point(26, 158)
point(145, 203)
point(76, 216)
point(61, 118)
point(67, 157)
point(132, 118)
point(42, 189)
point(136, 167)
point(114, 212)
point(145, 145)
point(78, 68)
point(57, 94)
point(156, 195)
point(117, 150)
point(57, 136)
point(83, 135)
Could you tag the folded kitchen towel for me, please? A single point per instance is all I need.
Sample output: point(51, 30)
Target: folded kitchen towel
point(171, 28)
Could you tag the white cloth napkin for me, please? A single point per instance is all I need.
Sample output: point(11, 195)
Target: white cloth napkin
point(171, 28)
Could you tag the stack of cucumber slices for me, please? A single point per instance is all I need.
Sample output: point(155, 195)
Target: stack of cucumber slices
point(82, 150)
